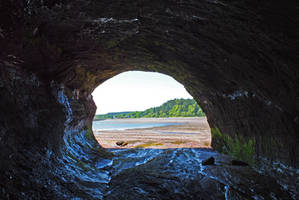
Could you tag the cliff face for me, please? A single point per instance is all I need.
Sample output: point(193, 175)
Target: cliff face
point(236, 58)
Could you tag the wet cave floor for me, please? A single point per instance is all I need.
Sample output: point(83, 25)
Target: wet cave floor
point(179, 174)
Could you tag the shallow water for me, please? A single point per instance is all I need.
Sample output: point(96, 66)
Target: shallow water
point(118, 125)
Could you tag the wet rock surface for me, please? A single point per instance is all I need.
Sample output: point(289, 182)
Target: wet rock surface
point(179, 174)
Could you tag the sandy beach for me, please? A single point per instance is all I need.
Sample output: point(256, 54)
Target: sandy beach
point(194, 132)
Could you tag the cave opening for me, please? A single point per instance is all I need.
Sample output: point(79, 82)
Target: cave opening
point(138, 109)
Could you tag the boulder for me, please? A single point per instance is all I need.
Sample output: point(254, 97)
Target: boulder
point(209, 161)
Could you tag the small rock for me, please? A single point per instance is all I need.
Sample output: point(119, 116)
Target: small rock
point(209, 161)
point(239, 163)
point(121, 143)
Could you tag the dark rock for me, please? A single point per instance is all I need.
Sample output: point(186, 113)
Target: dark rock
point(239, 163)
point(209, 161)
point(121, 143)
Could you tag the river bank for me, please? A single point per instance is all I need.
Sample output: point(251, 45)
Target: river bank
point(191, 132)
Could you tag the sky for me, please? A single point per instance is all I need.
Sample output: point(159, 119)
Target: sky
point(136, 91)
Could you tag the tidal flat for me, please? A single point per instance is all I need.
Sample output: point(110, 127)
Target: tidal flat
point(187, 132)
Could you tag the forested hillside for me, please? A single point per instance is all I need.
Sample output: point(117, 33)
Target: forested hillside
point(172, 108)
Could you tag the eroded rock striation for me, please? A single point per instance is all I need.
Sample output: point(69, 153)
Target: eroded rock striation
point(238, 59)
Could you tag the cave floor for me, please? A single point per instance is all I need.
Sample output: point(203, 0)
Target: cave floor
point(179, 174)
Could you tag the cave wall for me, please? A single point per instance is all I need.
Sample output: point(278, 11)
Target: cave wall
point(47, 146)
point(236, 58)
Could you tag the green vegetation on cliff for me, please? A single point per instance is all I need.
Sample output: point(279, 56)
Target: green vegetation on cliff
point(239, 147)
point(172, 108)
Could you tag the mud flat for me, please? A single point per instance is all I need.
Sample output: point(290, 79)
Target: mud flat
point(191, 132)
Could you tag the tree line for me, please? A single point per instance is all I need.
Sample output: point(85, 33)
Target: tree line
point(172, 108)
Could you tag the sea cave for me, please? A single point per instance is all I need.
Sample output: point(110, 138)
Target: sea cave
point(238, 59)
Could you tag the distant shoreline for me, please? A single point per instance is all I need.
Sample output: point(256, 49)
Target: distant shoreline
point(151, 118)
point(148, 118)
point(193, 132)
point(142, 118)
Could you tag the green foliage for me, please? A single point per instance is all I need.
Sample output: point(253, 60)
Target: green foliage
point(239, 147)
point(172, 108)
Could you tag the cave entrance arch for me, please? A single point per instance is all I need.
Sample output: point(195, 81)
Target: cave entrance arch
point(238, 102)
point(138, 109)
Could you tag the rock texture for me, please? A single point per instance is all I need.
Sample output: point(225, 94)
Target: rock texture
point(238, 59)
